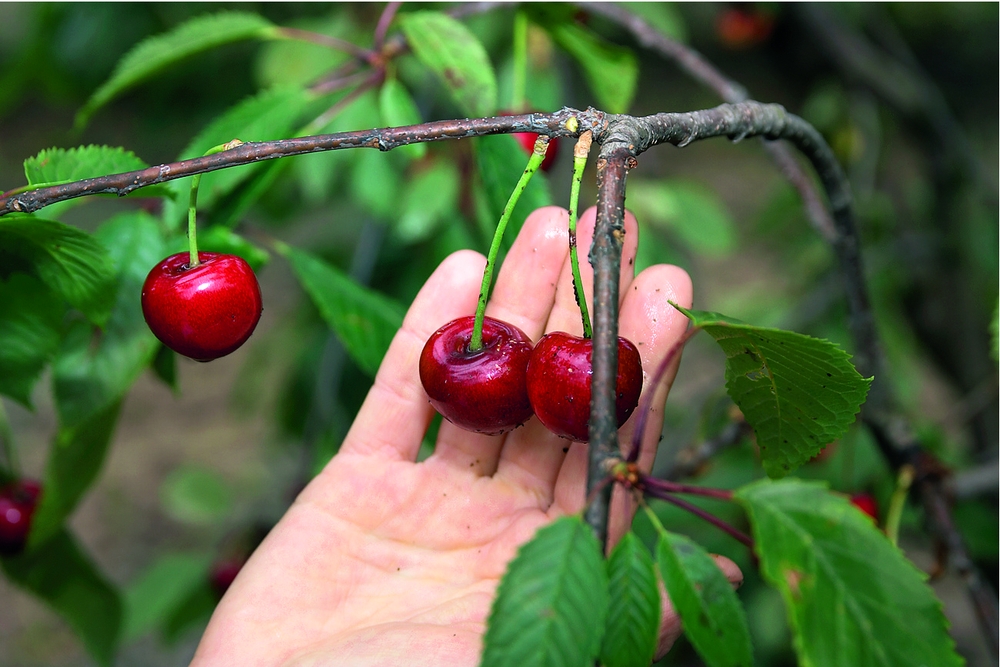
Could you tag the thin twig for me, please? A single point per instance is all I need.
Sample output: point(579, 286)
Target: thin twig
point(650, 482)
point(702, 514)
point(698, 68)
point(384, 21)
point(335, 43)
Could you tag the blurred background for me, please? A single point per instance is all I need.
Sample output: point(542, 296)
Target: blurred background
point(906, 94)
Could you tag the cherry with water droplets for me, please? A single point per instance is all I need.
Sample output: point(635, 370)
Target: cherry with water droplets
point(203, 312)
point(479, 390)
point(559, 379)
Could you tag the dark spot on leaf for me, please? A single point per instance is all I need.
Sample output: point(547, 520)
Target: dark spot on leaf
point(454, 78)
point(793, 578)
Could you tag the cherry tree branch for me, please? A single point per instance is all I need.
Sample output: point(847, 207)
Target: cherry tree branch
point(385, 139)
point(698, 68)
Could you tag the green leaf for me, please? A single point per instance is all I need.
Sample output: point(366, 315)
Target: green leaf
point(161, 590)
point(60, 165)
point(711, 612)
point(633, 623)
point(851, 597)
point(70, 262)
point(30, 322)
point(501, 162)
point(61, 574)
point(364, 320)
point(196, 495)
point(398, 109)
point(87, 377)
point(373, 177)
point(459, 60)
point(610, 70)
point(797, 392)
point(156, 53)
point(430, 199)
point(688, 209)
point(552, 602)
point(193, 612)
point(75, 460)
point(269, 115)
point(164, 366)
point(663, 16)
point(219, 238)
point(54, 166)
point(298, 62)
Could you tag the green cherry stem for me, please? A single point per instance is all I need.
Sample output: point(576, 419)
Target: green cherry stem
point(537, 155)
point(520, 61)
point(580, 153)
point(193, 203)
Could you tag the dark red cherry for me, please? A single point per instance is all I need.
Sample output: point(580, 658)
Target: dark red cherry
point(482, 391)
point(204, 312)
point(17, 505)
point(527, 141)
point(223, 574)
point(866, 503)
point(559, 378)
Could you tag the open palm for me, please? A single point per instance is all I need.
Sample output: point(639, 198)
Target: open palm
point(383, 560)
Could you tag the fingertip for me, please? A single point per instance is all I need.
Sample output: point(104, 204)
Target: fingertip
point(732, 571)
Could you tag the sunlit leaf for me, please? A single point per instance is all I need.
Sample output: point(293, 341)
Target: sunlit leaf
point(851, 597)
point(429, 200)
point(399, 109)
point(611, 71)
point(87, 377)
point(459, 60)
point(797, 392)
point(552, 602)
point(633, 623)
point(364, 320)
point(54, 166)
point(70, 262)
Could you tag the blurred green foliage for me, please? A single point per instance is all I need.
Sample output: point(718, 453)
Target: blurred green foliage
point(927, 207)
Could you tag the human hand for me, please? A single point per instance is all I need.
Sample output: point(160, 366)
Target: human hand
point(382, 560)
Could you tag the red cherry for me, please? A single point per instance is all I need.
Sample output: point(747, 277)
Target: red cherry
point(741, 29)
point(527, 141)
point(482, 391)
point(224, 573)
point(866, 503)
point(17, 505)
point(559, 378)
point(204, 312)
point(25, 490)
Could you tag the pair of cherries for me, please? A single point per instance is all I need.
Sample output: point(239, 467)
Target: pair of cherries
point(17, 505)
point(498, 387)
